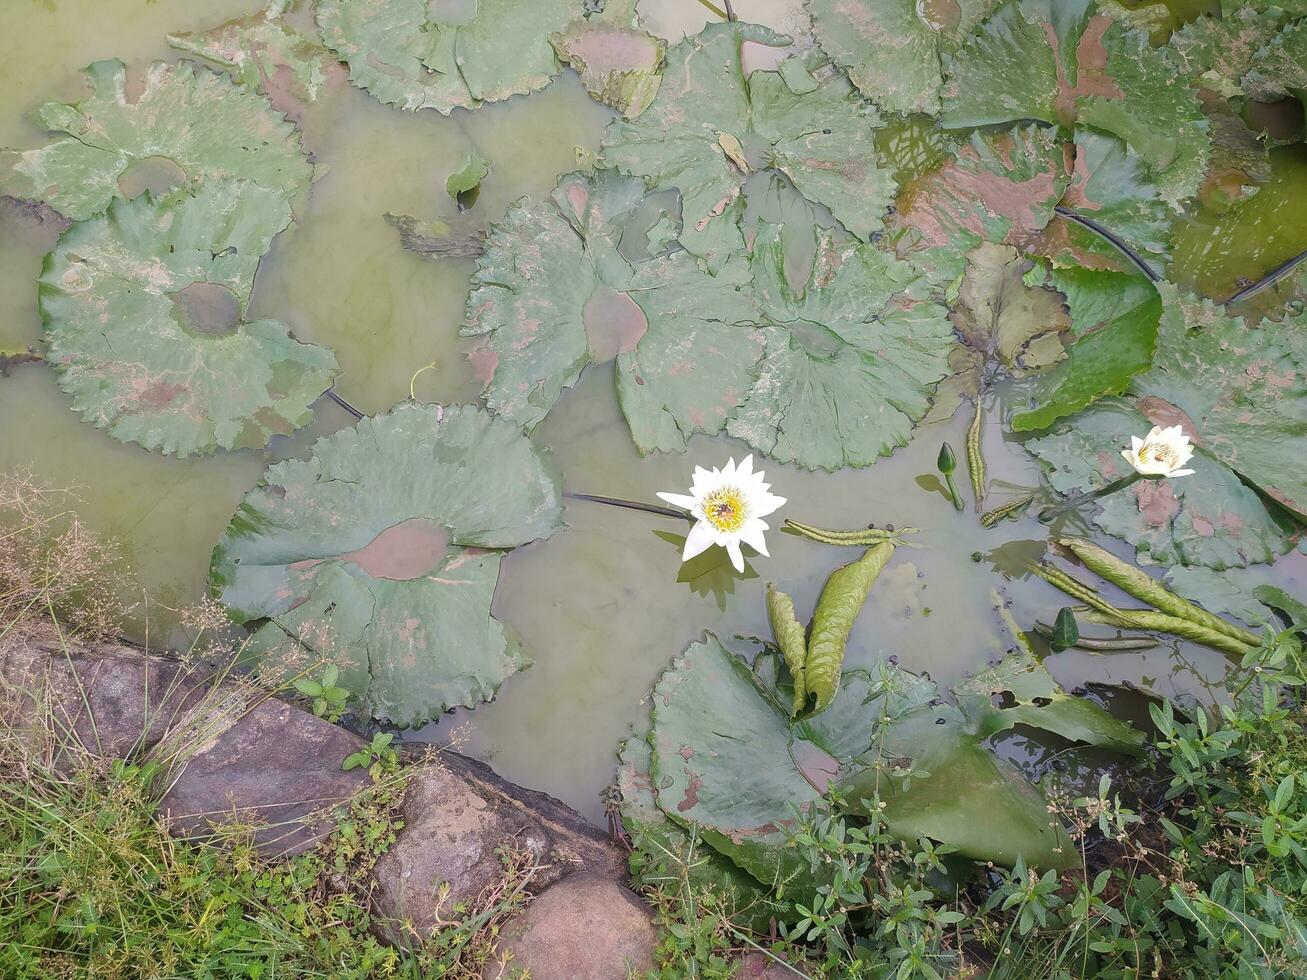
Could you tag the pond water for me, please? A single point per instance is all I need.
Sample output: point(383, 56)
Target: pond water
point(603, 605)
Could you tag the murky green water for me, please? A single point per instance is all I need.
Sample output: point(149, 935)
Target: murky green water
point(600, 604)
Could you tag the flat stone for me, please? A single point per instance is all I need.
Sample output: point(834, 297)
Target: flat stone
point(270, 763)
point(586, 927)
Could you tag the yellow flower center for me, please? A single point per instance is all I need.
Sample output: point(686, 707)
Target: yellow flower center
point(1161, 454)
point(725, 509)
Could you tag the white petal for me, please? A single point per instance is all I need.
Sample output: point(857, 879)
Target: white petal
point(699, 540)
point(1132, 457)
point(1154, 434)
point(753, 534)
point(766, 504)
point(1135, 444)
point(678, 500)
point(1176, 473)
point(737, 558)
point(745, 469)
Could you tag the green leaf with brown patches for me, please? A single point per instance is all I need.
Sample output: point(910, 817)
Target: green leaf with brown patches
point(1280, 67)
point(186, 125)
point(144, 310)
point(444, 56)
point(380, 554)
point(852, 354)
point(892, 48)
point(1113, 335)
point(1065, 64)
point(554, 293)
point(1004, 325)
point(997, 187)
point(1217, 52)
point(266, 53)
point(620, 64)
point(709, 118)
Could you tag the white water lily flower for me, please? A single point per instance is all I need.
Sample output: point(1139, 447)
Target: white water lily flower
point(1160, 453)
point(728, 506)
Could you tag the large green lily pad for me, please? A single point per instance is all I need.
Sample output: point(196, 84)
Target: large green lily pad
point(187, 124)
point(1114, 318)
point(144, 312)
point(446, 54)
point(553, 293)
point(381, 552)
point(711, 126)
point(1241, 395)
point(1064, 63)
point(267, 53)
point(892, 48)
point(1280, 68)
point(727, 761)
point(852, 354)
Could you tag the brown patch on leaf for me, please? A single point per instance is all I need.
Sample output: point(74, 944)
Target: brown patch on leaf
point(1091, 69)
point(614, 324)
point(1157, 502)
point(1161, 412)
point(408, 550)
point(691, 798)
point(815, 765)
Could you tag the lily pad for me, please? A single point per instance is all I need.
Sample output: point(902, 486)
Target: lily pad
point(553, 293)
point(1114, 319)
point(1216, 52)
point(464, 185)
point(1066, 64)
point(892, 48)
point(727, 761)
point(1003, 324)
point(1231, 592)
point(144, 311)
point(191, 123)
point(1240, 394)
point(381, 552)
point(445, 54)
point(620, 64)
point(711, 126)
point(1280, 68)
point(266, 53)
point(852, 354)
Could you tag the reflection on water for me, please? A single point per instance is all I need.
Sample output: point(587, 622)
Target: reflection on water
point(605, 605)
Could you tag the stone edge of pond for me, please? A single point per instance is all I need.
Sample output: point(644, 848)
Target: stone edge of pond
point(249, 754)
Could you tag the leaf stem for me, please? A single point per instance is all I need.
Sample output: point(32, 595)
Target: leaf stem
point(597, 498)
point(1112, 239)
point(1270, 279)
point(1049, 514)
point(723, 14)
point(344, 404)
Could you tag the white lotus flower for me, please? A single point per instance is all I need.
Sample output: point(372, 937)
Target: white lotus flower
point(728, 506)
point(1160, 453)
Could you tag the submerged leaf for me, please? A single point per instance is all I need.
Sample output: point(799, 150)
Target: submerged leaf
point(1114, 320)
point(187, 125)
point(144, 311)
point(417, 54)
point(851, 355)
point(464, 184)
point(381, 552)
point(553, 293)
point(707, 105)
point(892, 48)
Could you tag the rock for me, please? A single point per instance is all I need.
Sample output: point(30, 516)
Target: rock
point(271, 763)
point(586, 927)
point(458, 827)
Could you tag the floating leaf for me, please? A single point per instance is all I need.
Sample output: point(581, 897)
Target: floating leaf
point(851, 355)
point(619, 63)
point(1003, 324)
point(1238, 392)
point(892, 48)
point(1216, 53)
point(464, 184)
point(727, 761)
point(417, 54)
point(675, 858)
point(553, 293)
point(1113, 335)
point(1230, 592)
point(711, 126)
point(266, 53)
point(380, 555)
point(1065, 64)
point(144, 311)
point(187, 125)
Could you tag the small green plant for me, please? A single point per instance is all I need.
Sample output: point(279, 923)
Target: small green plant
point(377, 755)
point(328, 700)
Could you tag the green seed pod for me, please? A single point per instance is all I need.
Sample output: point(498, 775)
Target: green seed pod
point(975, 458)
point(1147, 589)
point(1162, 623)
point(1078, 590)
point(859, 537)
point(841, 600)
point(788, 633)
point(1010, 509)
point(1065, 630)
